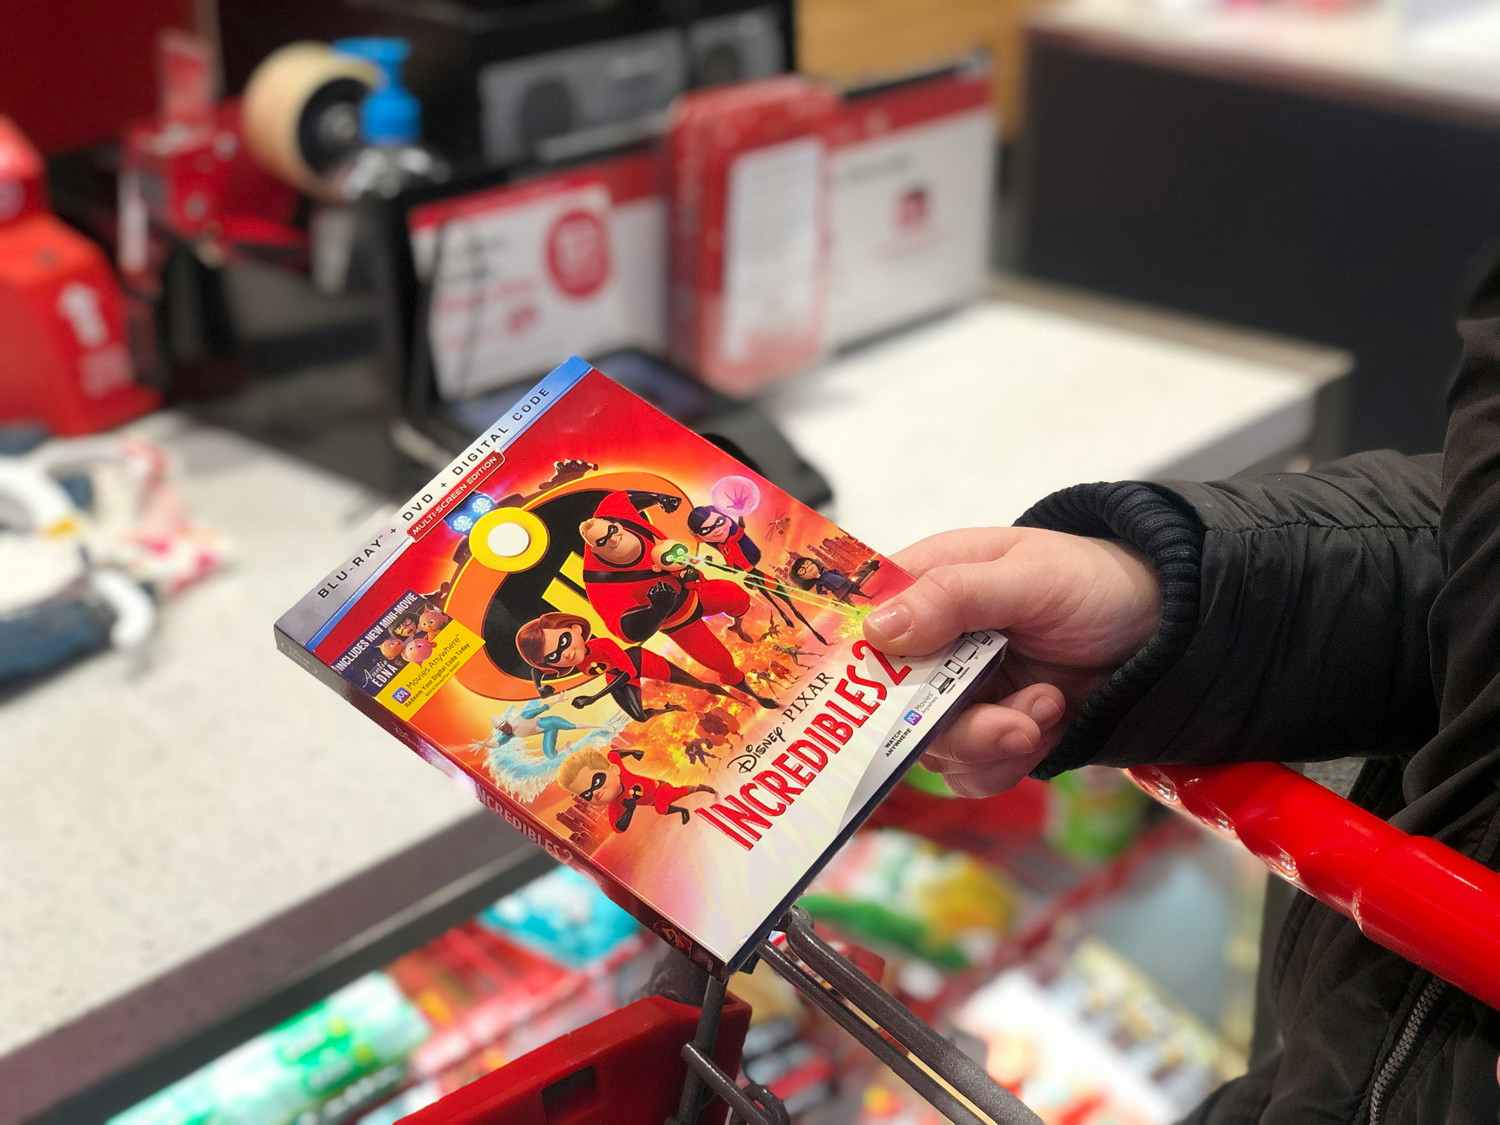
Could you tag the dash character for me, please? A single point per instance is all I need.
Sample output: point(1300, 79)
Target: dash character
point(605, 779)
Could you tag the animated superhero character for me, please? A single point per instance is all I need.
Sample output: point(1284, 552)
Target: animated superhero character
point(781, 671)
point(604, 779)
point(432, 621)
point(532, 719)
point(715, 728)
point(559, 644)
point(418, 649)
point(638, 593)
point(726, 533)
point(697, 751)
point(391, 647)
point(763, 678)
point(404, 627)
point(792, 651)
point(809, 574)
point(779, 526)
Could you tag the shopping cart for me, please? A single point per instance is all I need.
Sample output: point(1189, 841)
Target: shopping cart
point(660, 1061)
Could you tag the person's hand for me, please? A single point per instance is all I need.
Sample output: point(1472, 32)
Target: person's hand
point(1074, 609)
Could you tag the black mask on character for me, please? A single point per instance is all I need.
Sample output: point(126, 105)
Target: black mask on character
point(598, 783)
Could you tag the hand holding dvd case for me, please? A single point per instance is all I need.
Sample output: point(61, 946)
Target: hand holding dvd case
point(643, 655)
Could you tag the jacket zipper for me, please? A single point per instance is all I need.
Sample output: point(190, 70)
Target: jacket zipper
point(1406, 1042)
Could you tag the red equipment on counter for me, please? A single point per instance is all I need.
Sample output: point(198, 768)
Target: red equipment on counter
point(187, 173)
point(748, 183)
point(62, 316)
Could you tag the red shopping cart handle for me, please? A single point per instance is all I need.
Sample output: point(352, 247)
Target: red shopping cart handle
point(1414, 896)
point(626, 1069)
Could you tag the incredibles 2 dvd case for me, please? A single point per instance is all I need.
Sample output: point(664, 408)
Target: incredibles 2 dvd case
point(643, 655)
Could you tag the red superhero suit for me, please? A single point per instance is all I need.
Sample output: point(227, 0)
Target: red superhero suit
point(637, 789)
point(743, 553)
point(733, 548)
point(623, 670)
point(637, 600)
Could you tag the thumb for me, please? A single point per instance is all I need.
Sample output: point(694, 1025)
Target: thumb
point(944, 602)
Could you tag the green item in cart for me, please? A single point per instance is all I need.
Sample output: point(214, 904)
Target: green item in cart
point(892, 889)
point(1093, 813)
point(927, 781)
point(873, 922)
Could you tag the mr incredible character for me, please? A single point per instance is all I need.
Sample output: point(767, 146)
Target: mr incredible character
point(638, 593)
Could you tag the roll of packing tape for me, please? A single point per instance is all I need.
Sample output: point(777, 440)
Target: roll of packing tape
point(301, 112)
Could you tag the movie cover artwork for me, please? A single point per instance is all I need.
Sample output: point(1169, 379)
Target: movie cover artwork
point(645, 656)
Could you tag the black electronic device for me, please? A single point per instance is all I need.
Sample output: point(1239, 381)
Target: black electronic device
point(497, 77)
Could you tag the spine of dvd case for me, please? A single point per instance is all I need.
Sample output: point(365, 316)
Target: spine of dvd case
point(512, 812)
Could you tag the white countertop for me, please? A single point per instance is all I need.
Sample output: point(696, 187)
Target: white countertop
point(150, 813)
point(1447, 55)
point(970, 420)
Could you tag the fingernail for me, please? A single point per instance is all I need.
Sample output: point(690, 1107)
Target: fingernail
point(889, 621)
point(1045, 711)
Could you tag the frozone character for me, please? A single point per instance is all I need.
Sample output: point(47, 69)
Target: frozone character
point(728, 536)
point(809, 574)
point(638, 593)
point(561, 644)
point(604, 779)
point(532, 719)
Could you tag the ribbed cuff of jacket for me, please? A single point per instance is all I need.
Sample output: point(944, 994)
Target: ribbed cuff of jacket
point(1168, 533)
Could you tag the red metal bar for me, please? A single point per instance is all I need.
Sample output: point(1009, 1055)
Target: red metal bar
point(1410, 894)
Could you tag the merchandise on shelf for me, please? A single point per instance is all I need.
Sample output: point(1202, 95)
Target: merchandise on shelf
point(351, 1048)
point(1094, 813)
point(563, 916)
point(1095, 1043)
point(437, 1018)
point(893, 889)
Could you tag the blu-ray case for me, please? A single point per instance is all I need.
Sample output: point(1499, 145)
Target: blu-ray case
point(642, 654)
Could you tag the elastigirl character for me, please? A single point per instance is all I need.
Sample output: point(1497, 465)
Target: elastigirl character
point(604, 779)
point(560, 644)
point(809, 574)
point(638, 594)
point(728, 535)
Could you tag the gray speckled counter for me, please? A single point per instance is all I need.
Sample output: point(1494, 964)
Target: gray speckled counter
point(164, 827)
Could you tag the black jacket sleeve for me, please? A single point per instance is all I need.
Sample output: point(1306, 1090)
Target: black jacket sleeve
point(1294, 615)
point(1454, 778)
